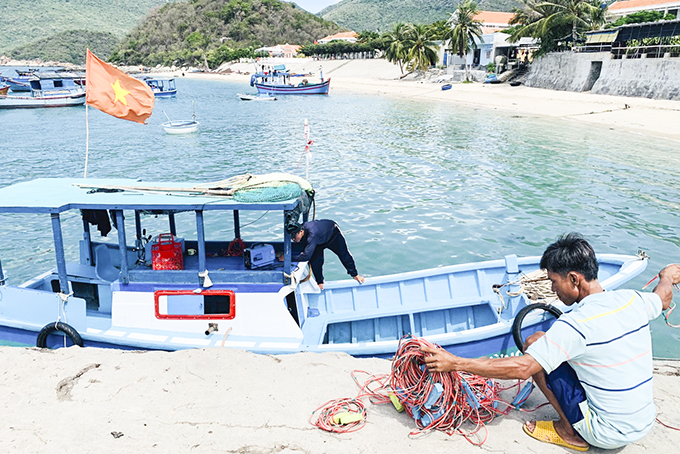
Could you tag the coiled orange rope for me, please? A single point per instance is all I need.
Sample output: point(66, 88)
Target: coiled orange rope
point(439, 401)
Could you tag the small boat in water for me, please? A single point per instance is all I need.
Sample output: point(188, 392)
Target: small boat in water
point(49, 89)
point(258, 97)
point(180, 126)
point(277, 80)
point(171, 293)
point(161, 87)
point(4, 88)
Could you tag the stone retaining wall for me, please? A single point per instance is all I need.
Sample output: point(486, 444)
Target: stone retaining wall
point(657, 78)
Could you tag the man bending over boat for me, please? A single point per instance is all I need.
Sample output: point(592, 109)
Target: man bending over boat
point(316, 236)
point(594, 364)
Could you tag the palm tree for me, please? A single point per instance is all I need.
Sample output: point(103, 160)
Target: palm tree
point(422, 53)
point(464, 30)
point(556, 20)
point(396, 44)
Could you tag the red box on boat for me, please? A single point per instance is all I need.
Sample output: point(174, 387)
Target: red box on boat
point(167, 253)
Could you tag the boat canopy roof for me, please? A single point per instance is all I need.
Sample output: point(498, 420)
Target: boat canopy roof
point(56, 195)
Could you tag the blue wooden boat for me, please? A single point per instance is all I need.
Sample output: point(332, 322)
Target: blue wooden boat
point(20, 82)
point(161, 87)
point(171, 293)
point(49, 89)
point(446, 87)
point(277, 80)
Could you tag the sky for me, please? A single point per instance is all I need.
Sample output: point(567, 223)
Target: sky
point(314, 6)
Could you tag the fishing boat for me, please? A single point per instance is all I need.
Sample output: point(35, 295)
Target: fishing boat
point(161, 87)
point(165, 292)
point(258, 97)
point(20, 82)
point(277, 80)
point(4, 88)
point(49, 89)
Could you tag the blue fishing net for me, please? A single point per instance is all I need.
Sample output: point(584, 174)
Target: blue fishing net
point(268, 193)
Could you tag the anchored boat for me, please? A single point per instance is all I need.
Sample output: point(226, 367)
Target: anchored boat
point(164, 292)
point(161, 87)
point(49, 89)
point(277, 80)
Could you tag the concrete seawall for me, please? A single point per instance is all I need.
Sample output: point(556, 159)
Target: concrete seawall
point(655, 78)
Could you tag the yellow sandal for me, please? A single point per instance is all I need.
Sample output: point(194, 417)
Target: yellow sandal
point(545, 432)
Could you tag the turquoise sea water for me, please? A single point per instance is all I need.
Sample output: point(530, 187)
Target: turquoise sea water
point(413, 184)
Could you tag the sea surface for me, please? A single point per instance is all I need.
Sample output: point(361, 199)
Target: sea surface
point(413, 184)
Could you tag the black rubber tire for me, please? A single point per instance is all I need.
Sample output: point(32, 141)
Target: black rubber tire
point(50, 328)
point(517, 324)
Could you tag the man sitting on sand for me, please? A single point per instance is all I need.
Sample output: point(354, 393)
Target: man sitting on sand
point(317, 236)
point(594, 364)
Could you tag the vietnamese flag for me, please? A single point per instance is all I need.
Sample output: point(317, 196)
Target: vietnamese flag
point(116, 93)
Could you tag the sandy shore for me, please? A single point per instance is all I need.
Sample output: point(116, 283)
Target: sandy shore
point(657, 118)
point(204, 401)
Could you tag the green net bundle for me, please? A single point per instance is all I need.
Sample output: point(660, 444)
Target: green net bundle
point(268, 193)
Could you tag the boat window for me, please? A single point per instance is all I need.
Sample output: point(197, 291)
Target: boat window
point(88, 292)
point(187, 305)
point(58, 83)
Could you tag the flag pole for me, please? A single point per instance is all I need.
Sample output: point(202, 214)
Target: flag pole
point(87, 138)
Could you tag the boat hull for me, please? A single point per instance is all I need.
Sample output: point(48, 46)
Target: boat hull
point(29, 102)
point(180, 127)
point(464, 324)
point(165, 94)
point(310, 89)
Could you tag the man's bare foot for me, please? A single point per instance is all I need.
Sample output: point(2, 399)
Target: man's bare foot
point(359, 279)
point(564, 430)
point(321, 286)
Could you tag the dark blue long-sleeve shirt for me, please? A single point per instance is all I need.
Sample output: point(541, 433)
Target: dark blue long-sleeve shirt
point(317, 233)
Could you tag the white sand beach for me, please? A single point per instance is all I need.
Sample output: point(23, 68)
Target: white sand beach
point(653, 117)
point(219, 400)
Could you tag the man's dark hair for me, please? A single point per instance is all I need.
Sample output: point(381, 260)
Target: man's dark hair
point(293, 228)
point(571, 252)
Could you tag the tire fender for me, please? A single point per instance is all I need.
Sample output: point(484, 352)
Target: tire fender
point(50, 328)
point(519, 318)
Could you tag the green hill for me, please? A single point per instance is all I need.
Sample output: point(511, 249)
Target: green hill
point(67, 46)
point(25, 22)
point(379, 15)
point(190, 32)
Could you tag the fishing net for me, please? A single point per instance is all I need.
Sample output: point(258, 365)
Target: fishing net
point(268, 193)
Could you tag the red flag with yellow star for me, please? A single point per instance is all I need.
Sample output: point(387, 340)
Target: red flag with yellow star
point(115, 93)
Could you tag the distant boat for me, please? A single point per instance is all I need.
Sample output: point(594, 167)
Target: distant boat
point(21, 82)
point(276, 80)
point(258, 97)
point(48, 89)
point(446, 87)
point(180, 126)
point(161, 87)
point(4, 88)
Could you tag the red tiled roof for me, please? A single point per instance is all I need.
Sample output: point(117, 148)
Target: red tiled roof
point(641, 4)
point(494, 17)
point(341, 35)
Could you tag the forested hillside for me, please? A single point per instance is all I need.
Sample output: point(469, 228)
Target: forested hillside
point(26, 21)
point(379, 15)
point(216, 30)
point(67, 46)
